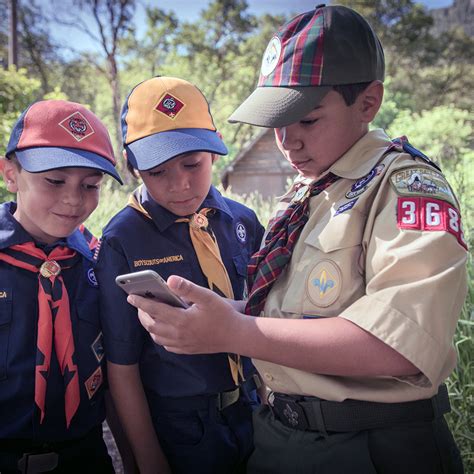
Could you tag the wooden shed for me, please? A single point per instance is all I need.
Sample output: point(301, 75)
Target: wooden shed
point(260, 166)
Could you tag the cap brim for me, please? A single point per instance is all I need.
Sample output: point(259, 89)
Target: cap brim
point(154, 150)
point(40, 159)
point(275, 107)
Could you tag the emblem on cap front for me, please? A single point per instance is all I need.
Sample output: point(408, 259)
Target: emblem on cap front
point(77, 126)
point(169, 105)
point(271, 56)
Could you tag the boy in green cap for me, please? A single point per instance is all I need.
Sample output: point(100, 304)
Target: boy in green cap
point(356, 291)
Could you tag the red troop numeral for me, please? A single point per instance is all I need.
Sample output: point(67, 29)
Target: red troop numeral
point(421, 213)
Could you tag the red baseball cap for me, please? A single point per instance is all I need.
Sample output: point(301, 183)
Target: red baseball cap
point(53, 134)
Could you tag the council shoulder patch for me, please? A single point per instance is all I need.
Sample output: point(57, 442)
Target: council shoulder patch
point(324, 283)
point(422, 181)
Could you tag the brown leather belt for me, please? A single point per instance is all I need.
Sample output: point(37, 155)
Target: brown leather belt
point(314, 414)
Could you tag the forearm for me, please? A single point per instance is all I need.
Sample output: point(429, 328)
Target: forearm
point(311, 345)
point(132, 407)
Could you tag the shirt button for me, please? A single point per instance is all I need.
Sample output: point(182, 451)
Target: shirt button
point(268, 376)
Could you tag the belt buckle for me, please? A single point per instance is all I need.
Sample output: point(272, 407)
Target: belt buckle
point(226, 399)
point(290, 412)
point(31, 463)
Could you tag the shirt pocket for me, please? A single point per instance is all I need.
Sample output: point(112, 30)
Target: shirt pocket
point(6, 307)
point(239, 285)
point(329, 276)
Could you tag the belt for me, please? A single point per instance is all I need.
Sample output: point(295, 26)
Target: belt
point(314, 414)
point(36, 456)
point(219, 401)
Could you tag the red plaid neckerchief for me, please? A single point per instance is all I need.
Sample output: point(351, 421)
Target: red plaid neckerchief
point(267, 264)
point(53, 319)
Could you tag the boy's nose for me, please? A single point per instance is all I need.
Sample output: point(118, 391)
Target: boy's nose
point(72, 196)
point(179, 182)
point(288, 137)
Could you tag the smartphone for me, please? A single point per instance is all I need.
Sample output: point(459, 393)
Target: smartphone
point(149, 284)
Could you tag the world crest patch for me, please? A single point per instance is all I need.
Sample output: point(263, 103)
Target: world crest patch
point(77, 126)
point(169, 105)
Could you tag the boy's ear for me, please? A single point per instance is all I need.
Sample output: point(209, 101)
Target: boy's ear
point(370, 101)
point(214, 157)
point(124, 154)
point(10, 172)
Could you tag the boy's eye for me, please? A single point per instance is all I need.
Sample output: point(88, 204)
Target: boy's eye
point(308, 121)
point(192, 165)
point(54, 182)
point(92, 186)
point(155, 173)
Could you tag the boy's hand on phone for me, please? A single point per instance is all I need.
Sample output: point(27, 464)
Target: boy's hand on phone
point(206, 327)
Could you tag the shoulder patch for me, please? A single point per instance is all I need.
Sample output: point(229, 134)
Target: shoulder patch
point(422, 181)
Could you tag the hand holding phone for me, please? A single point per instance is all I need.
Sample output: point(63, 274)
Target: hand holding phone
point(149, 284)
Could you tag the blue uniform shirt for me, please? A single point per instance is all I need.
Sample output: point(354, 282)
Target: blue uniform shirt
point(19, 416)
point(133, 242)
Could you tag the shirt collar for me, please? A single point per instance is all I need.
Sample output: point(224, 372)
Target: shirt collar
point(163, 218)
point(12, 233)
point(363, 156)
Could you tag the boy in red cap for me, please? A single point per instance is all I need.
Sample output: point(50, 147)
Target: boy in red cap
point(187, 414)
point(51, 354)
point(355, 294)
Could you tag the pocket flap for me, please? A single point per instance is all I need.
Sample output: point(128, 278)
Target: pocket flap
point(342, 231)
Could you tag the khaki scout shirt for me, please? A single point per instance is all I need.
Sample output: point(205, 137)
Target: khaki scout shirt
point(357, 260)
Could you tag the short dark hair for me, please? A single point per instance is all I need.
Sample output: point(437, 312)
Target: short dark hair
point(350, 92)
point(132, 170)
point(12, 157)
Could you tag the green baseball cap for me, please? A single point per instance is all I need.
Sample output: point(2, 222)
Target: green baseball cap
point(325, 47)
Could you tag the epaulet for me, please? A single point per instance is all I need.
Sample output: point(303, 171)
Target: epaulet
point(403, 144)
point(91, 240)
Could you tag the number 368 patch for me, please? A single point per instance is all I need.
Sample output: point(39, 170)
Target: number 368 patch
point(422, 213)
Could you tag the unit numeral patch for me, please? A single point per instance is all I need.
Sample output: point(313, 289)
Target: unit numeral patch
point(428, 214)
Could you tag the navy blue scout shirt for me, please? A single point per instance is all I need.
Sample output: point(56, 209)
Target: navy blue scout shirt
point(19, 416)
point(133, 242)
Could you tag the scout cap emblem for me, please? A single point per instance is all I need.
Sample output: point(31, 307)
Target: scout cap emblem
point(170, 106)
point(77, 126)
point(271, 56)
point(50, 268)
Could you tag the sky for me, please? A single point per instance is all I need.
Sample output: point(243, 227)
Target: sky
point(188, 10)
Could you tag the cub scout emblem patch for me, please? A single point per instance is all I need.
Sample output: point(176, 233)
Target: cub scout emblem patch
point(362, 184)
point(169, 105)
point(241, 232)
point(421, 181)
point(92, 278)
point(94, 382)
point(323, 285)
point(98, 347)
point(77, 126)
point(428, 214)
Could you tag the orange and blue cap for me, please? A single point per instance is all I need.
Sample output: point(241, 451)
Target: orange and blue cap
point(164, 117)
point(52, 134)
